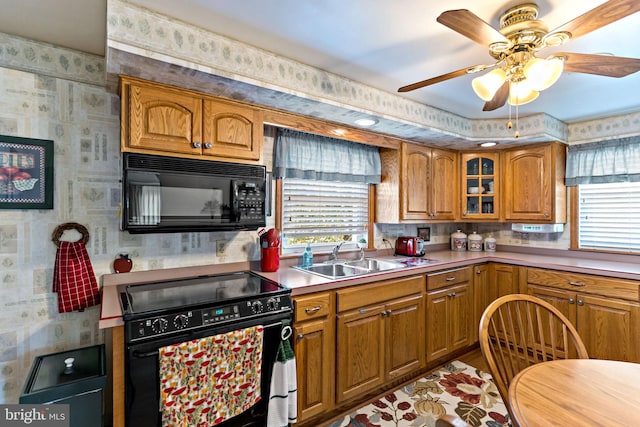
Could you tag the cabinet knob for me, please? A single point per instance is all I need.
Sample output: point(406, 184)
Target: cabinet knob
point(300, 336)
point(208, 145)
point(571, 301)
point(478, 271)
point(196, 145)
point(580, 302)
point(546, 214)
point(464, 213)
point(384, 313)
point(452, 294)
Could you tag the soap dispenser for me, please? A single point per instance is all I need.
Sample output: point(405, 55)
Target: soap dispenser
point(307, 256)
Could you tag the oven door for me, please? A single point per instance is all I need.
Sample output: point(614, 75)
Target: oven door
point(142, 389)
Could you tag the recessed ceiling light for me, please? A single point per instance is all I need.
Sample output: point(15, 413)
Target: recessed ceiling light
point(488, 144)
point(366, 122)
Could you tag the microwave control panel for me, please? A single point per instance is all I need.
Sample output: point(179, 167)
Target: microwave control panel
point(249, 201)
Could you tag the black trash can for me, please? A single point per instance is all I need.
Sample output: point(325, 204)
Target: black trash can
point(75, 377)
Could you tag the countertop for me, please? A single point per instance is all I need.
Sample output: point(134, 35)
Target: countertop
point(302, 283)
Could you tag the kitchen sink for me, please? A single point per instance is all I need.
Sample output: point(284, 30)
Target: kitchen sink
point(360, 267)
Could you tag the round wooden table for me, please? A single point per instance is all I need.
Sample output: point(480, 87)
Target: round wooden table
point(577, 392)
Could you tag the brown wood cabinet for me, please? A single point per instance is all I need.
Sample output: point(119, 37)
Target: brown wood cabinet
point(449, 312)
point(605, 311)
point(315, 353)
point(379, 330)
point(480, 186)
point(533, 186)
point(416, 185)
point(166, 120)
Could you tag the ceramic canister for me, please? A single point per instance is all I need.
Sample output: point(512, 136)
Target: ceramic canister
point(490, 244)
point(458, 241)
point(475, 242)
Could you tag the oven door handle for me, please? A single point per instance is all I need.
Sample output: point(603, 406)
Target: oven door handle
point(141, 355)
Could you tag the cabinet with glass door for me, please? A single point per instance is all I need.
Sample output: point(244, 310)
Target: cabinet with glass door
point(480, 185)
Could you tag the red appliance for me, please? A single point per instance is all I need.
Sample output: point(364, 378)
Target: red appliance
point(409, 246)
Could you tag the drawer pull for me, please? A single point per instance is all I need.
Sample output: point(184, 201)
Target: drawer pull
point(450, 278)
point(363, 311)
point(312, 310)
point(452, 294)
point(572, 283)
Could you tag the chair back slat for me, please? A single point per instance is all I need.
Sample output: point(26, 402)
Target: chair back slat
point(519, 330)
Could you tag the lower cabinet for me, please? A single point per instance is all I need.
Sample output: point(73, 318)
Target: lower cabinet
point(605, 311)
point(315, 353)
point(379, 334)
point(449, 312)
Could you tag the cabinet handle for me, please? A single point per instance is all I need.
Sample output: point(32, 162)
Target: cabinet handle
point(580, 302)
point(362, 311)
point(196, 145)
point(300, 336)
point(208, 145)
point(312, 310)
point(546, 214)
point(465, 213)
point(478, 271)
point(571, 300)
point(452, 294)
point(572, 283)
point(389, 312)
point(450, 278)
point(384, 313)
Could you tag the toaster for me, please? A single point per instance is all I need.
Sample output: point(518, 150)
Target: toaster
point(409, 246)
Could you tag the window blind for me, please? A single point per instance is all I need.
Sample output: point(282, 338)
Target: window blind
point(324, 208)
point(609, 216)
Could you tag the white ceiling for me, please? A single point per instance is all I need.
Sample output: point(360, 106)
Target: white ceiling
point(385, 44)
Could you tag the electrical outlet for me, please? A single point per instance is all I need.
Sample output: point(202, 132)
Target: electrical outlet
point(221, 247)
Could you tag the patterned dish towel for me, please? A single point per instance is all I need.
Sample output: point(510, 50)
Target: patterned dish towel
point(207, 381)
point(283, 396)
point(73, 278)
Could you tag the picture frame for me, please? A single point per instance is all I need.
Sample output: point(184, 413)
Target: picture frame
point(26, 173)
point(424, 233)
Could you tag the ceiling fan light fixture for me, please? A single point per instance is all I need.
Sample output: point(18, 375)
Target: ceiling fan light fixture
point(487, 85)
point(521, 93)
point(543, 73)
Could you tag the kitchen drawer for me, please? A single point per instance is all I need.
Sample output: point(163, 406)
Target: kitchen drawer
point(585, 283)
point(442, 279)
point(374, 293)
point(312, 306)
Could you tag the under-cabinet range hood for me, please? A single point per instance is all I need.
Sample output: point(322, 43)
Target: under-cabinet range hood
point(538, 228)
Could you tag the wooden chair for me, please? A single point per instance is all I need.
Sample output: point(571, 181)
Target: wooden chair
point(451, 421)
point(520, 330)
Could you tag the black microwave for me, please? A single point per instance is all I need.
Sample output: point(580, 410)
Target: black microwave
point(169, 194)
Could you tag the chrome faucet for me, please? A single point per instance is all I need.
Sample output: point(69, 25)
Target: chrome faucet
point(334, 252)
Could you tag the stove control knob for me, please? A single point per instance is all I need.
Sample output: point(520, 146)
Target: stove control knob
point(256, 306)
point(180, 321)
point(272, 304)
point(159, 325)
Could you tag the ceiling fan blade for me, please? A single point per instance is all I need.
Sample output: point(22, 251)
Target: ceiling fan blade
point(602, 65)
point(443, 77)
point(471, 26)
point(499, 99)
point(598, 17)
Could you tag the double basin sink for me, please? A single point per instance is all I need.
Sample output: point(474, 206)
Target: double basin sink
point(359, 267)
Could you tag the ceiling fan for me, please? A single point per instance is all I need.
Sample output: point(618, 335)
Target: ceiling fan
point(518, 74)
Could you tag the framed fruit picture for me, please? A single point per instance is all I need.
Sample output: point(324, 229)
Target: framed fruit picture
point(26, 173)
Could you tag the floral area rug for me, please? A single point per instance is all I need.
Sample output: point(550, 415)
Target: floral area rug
point(456, 388)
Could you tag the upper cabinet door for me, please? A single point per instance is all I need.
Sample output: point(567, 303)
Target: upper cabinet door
point(444, 182)
point(164, 120)
point(415, 182)
point(480, 186)
point(232, 130)
point(534, 189)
